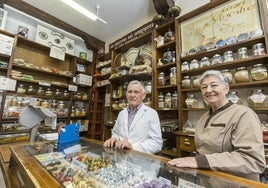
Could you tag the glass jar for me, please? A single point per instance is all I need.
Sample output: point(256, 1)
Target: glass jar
point(21, 89)
point(173, 56)
point(66, 94)
point(205, 62)
point(58, 93)
point(173, 76)
point(23, 103)
point(259, 72)
point(31, 90)
point(228, 74)
point(115, 105)
point(194, 64)
point(73, 112)
point(77, 112)
point(242, 53)
point(83, 112)
point(196, 82)
point(185, 66)
point(241, 75)
point(191, 102)
point(161, 100)
point(168, 100)
point(216, 59)
point(61, 107)
point(122, 104)
point(148, 102)
point(84, 96)
point(13, 101)
point(53, 104)
point(169, 36)
point(148, 87)
point(258, 49)
point(174, 100)
point(44, 104)
point(257, 99)
point(186, 82)
point(228, 56)
point(40, 91)
point(232, 96)
point(161, 79)
point(48, 92)
point(167, 56)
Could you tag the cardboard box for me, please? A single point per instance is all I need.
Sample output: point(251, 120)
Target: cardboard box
point(83, 79)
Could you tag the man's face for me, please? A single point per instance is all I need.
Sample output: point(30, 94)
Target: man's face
point(134, 95)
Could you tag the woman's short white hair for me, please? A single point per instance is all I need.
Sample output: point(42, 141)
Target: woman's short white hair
point(224, 79)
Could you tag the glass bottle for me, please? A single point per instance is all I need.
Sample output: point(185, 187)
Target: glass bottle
point(161, 79)
point(186, 82)
point(194, 64)
point(168, 100)
point(160, 100)
point(173, 76)
point(21, 89)
point(148, 87)
point(191, 102)
point(185, 66)
point(40, 91)
point(174, 100)
point(31, 90)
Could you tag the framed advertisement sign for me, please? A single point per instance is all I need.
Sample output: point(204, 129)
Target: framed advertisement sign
point(229, 19)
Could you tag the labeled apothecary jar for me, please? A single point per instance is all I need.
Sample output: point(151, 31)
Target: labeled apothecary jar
point(205, 62)
point(258, 49)
point(31, 90)
point(228, 74)
point(161, 98)
point(258, 72)
point(196, 81)
point(161, 79)
point(242, 53)
point(174, 100)
point(168, 100)
point(241, 75)
point(84, 96)
point(173, 76)
point(191, 101)
point(194, 64)
point(232, 96)
point(40, 91)
point(185, 66)
point(21, 89)
point(186, 83)
point(216, 59)
point(228, 56)
point(258, 99)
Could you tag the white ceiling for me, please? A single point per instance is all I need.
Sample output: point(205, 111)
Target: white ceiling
point(122, 16)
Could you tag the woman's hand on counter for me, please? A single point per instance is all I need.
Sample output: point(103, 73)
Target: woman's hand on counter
point(189, 162)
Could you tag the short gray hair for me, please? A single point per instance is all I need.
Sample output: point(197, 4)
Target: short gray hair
point(223, 79)
point(136, 82)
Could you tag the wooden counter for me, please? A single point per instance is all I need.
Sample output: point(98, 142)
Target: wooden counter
point(25, 171)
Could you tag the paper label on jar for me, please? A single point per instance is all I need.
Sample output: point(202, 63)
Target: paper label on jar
point(72, 88)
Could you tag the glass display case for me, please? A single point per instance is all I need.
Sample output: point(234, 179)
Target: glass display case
point(108, 167)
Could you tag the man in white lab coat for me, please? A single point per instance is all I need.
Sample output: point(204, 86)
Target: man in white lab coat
point(137, 126)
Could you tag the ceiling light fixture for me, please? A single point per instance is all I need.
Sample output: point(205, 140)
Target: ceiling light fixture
point(80, 9)
point(84, 11)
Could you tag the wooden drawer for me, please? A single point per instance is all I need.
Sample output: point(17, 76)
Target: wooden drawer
point(187, 143)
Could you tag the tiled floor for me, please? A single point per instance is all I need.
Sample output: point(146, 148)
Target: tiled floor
point(2, 181)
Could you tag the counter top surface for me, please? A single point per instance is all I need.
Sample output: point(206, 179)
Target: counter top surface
point(151, 165)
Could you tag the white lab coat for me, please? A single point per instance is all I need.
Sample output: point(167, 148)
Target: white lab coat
point(144, 133)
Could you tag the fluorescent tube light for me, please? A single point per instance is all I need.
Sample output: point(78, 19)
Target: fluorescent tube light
point(80, 9)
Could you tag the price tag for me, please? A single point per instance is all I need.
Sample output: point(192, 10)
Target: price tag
point(72, 88)
point(42, 83)
point(186, 184)
point(57, 53)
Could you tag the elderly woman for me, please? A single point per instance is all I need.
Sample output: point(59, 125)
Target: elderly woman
point(228, 137)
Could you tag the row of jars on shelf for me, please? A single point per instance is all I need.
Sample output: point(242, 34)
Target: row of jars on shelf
point(31, 90)
point(256, 100)
point(168, 100)
point(257, 72)
point(162, 79)
point(228, 56)
point(122, 103)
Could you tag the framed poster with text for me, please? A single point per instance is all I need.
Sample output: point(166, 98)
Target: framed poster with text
point(229, 19)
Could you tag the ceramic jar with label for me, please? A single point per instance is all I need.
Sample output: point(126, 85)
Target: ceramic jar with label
point(241, 75)
point(259, 72)
point(191, 101)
